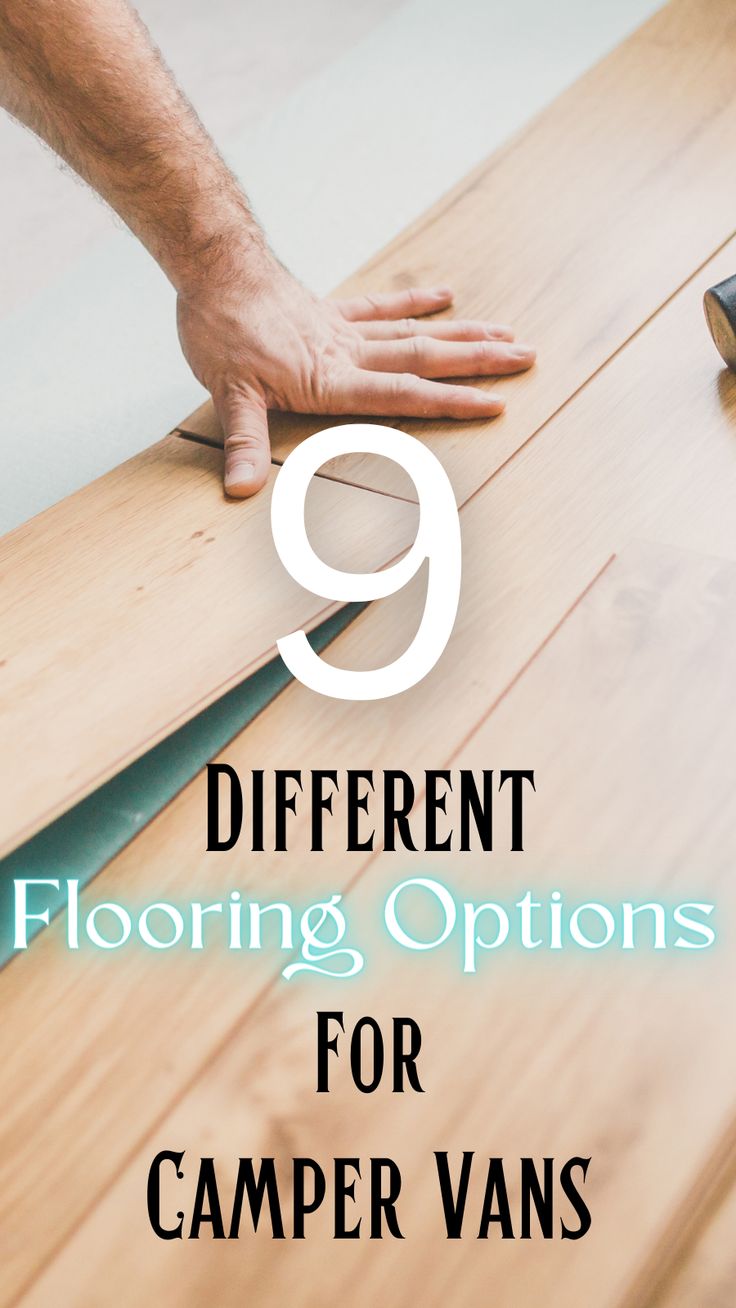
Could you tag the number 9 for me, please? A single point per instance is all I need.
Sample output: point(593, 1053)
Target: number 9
point(437, 540)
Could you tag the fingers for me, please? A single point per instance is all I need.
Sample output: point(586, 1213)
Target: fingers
point(244, 419)
point(445, 329)
point(395, 304)
point(404, 395)
point(439, 358)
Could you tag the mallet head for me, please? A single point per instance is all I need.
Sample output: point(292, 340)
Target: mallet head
point(720, 311)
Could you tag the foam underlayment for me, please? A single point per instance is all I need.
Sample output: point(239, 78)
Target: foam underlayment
point(83, 840)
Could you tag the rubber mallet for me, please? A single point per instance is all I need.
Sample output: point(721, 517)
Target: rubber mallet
point(720, 311)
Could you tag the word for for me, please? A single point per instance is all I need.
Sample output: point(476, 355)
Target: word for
point(368, 1055)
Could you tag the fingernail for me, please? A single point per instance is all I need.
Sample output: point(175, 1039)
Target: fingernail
point(499, 332)
point(522, 352)
point(442, 292)
point(241, 474)
point(488, 399)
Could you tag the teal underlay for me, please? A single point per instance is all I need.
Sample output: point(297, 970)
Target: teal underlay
point(83, 840)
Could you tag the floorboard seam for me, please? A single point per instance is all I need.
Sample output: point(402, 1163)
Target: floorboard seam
point(605, 364)
point(624, 345)
point(279, 463)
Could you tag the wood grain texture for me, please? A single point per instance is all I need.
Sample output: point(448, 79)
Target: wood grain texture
point(569, 233)
point(648, 449)
point(691, 1262)
point(134, 603)
point(707, 1276)
point(533, 1055)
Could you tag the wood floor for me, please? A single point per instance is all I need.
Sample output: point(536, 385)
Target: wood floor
point(594, 643)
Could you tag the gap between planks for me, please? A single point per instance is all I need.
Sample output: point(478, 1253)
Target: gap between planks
point(279, 463)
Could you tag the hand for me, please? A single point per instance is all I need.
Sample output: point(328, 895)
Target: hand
point(260, 342)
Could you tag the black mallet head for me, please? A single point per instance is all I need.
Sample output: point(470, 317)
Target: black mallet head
point(720, 311)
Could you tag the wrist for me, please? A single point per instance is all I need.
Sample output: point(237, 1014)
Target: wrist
point(225, 248)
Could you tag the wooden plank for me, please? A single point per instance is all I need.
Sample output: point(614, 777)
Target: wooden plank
point(706, 1277)
point(44, 805)
point(611, 714)
point(123, 1066)
point(648, 448)
point(691, 1264)
point(87, 836)
point(131, 605)
point(569, 233)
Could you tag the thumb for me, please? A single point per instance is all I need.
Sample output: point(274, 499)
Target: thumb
point(244, 419)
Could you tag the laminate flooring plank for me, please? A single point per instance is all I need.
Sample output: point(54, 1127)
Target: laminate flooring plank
point(575, 233)
point(648, 449)
point(88, 835)
point(137, 601)
point(613, 1055)
point(706, 1277)
point(84, 1056)
point(641, 73)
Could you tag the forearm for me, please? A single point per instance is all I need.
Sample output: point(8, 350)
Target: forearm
point(86, 77)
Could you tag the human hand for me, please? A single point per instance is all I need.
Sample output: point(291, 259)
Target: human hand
point(251, 333)
point(261, 341)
